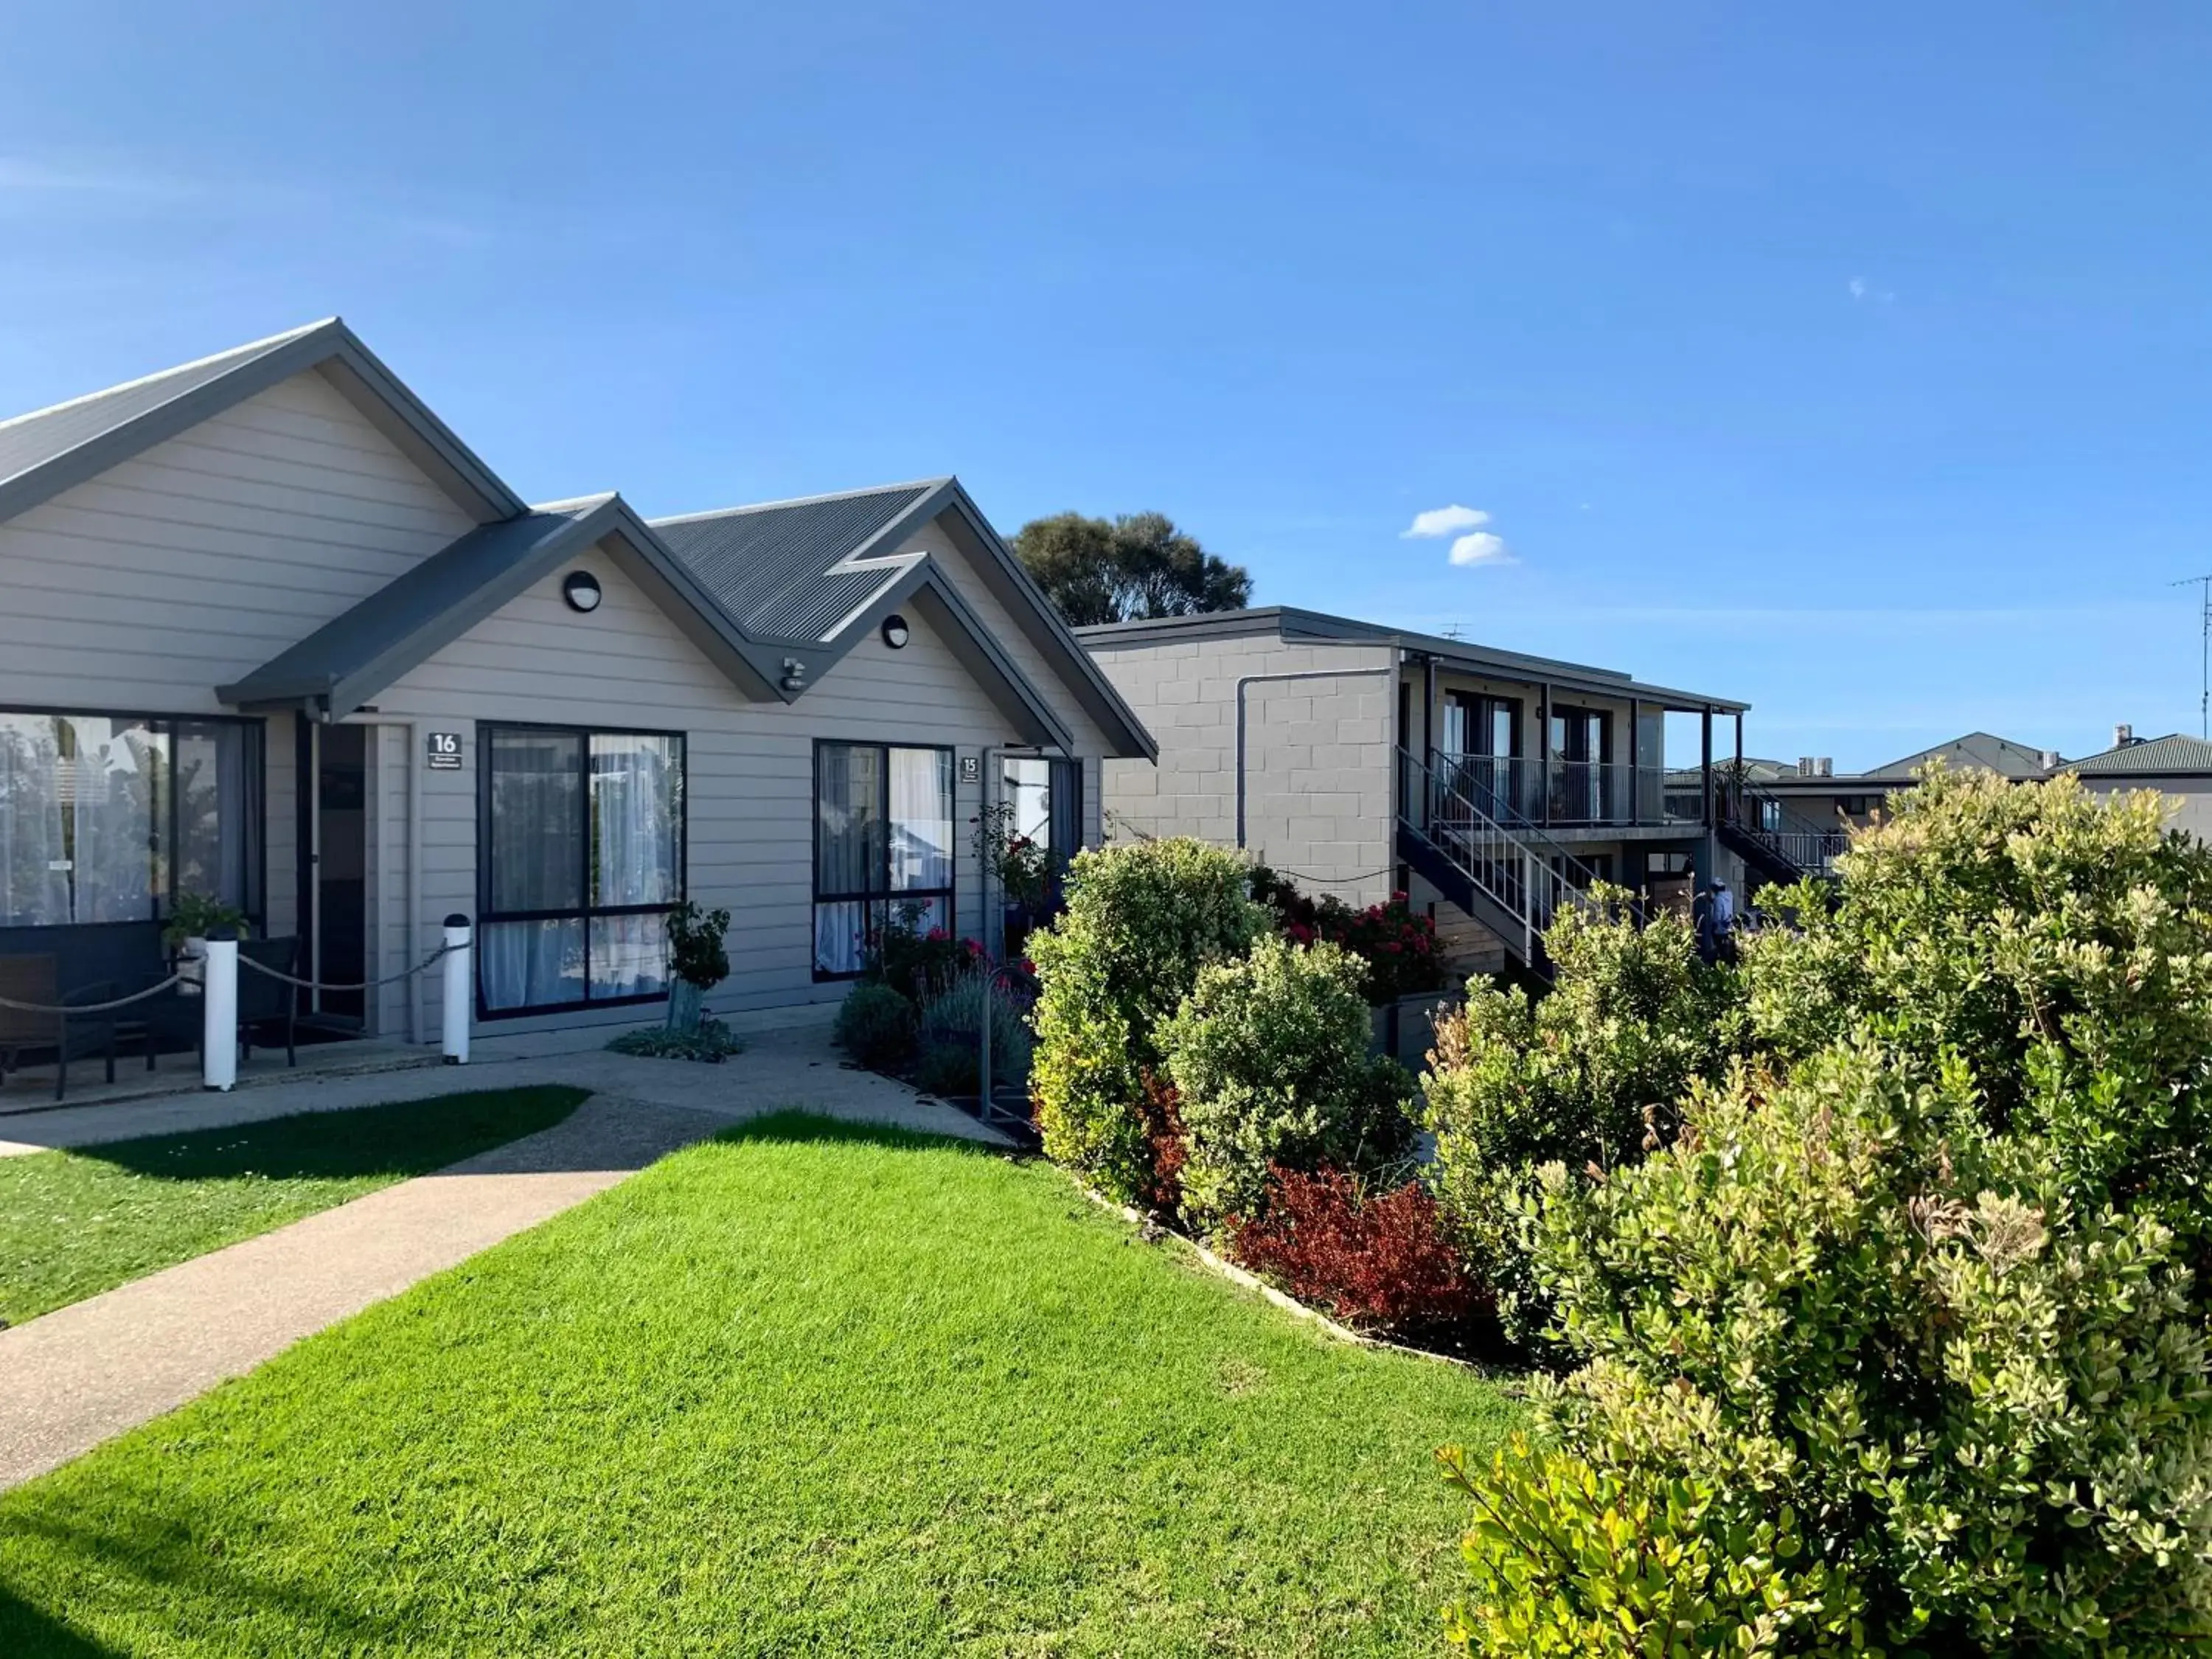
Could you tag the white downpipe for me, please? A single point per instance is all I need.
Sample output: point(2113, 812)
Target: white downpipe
point(219, 1011)
point(315, 858)
point(455, 1025)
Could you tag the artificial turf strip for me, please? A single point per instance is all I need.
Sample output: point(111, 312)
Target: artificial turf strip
point(73, 1224)
point(811, 1388)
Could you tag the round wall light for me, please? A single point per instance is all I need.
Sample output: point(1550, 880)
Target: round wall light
point(894, 630)
point(581, 589)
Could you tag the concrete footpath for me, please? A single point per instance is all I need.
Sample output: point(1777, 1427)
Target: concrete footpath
point(82, 1374)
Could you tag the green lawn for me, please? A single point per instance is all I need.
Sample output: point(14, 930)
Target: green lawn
point(77, 1223)
point(810, 1389)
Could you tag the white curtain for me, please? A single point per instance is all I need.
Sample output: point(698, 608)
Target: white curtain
point(533, 964)
point(636, 810)
point(34, 889)
point(921, 819)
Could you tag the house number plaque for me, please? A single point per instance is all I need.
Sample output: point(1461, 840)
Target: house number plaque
point(445, 751)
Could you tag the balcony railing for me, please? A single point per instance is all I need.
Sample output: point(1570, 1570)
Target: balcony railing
point(1520, 789)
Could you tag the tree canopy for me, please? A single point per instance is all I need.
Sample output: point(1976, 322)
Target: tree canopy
point(1134, 566)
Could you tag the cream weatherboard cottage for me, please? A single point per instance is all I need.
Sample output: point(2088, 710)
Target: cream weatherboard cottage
point(271, 633)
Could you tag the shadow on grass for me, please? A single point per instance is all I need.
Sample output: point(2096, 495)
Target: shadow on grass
point(170, 1571)
point(796, 1125)
point(408, 1138)
point(27, 1631)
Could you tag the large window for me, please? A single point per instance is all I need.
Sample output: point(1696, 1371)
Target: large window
point(883, 847)
point(108, 818)
point(582, 839)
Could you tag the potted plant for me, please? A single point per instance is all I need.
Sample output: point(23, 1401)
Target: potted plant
point(1022, 865)
point(696, 956)
point(192, 918)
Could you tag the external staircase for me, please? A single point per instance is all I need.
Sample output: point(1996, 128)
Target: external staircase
point(1467, 841)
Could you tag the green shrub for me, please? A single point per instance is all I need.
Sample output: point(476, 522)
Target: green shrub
point(710, 1042)
point(1269, 1055)
point(1582, 1563)
point(1917, 1283)
point(1140, 922)
point(916, 962)
point(952, 1028)
point(877, 1026)
point(1589, 1075)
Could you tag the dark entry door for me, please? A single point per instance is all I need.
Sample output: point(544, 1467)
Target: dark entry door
point(334, 868)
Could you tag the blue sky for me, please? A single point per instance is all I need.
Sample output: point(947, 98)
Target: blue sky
point(1857, 361)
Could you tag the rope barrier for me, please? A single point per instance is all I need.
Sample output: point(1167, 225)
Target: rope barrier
point(246, 961)
point(92, 1007)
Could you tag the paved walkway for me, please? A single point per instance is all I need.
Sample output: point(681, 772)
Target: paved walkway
point(75, 1376)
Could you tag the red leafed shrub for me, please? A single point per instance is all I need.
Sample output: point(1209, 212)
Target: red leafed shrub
point(1377, 1263)
point(1160, 1114)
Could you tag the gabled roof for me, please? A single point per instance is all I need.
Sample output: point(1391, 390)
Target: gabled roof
point(799, 570)
point(53, 449)
point(818, 571)
point(351, 658)
point(2175, 752)
point(775, 595)
point(1291, 623)
point(2001, 755)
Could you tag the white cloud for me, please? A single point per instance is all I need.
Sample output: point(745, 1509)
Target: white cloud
point(1881, 296)
point(1440, 521)
point(1480, 548)
point(1858, 288)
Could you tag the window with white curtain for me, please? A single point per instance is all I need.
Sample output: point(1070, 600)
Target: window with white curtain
point(883, 847)
point(108, 818)
point(582, 850)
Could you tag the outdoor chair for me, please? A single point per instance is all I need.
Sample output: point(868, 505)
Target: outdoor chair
point(266, 1002)
point(67, 1033)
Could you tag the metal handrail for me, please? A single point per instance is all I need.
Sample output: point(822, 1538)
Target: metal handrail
point(1519, 788)
point(1523, 871)
point(1768, 819)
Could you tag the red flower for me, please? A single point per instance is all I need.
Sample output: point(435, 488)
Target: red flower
point(936, 935)
point(1029, 967)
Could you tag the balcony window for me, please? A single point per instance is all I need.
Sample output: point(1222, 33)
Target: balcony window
point(108, 818)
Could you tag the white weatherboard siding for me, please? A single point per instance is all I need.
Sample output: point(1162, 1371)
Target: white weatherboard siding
point(1318, 764)
point(186, 567)
point(750, 765)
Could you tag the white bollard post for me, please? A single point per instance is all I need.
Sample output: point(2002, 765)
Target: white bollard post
point(455, 1025)
point(219, 1010)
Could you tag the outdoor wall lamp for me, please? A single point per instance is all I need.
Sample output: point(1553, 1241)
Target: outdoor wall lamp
point(581, 589)
point(894, 630)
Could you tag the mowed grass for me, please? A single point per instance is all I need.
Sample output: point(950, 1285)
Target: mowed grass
point(812, 1389)
point(73, 1224)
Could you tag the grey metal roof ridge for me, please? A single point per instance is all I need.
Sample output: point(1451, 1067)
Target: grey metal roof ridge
point(802, 500)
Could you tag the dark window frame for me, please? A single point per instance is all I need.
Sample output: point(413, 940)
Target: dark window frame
point(588, 912)
point(949, 893)
point(169, 833)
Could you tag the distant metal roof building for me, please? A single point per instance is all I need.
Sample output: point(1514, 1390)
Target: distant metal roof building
point(1982, 749)
point(2176, 752)
point(799, 570)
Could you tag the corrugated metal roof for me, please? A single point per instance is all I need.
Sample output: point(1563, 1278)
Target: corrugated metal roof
point(786, 569)
point(2175, 752)
point(31, 440)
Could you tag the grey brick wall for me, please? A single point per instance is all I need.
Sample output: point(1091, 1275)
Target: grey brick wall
point(1318, 764)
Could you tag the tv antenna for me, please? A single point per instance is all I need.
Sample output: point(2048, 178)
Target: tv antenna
point(2203, 584)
